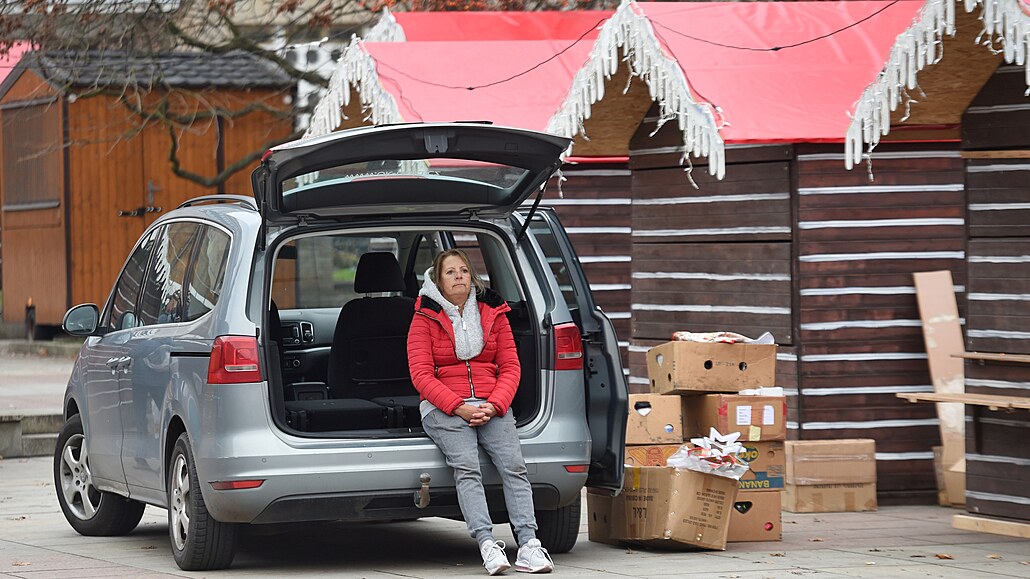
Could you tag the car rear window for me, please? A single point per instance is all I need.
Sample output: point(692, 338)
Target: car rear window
point(496, 175)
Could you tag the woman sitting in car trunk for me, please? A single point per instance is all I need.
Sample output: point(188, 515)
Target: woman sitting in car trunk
point(463, 362)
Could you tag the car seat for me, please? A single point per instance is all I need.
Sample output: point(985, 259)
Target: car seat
point(369, 354)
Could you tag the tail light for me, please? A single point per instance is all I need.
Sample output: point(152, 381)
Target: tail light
point(234, 360)
point(568, 347)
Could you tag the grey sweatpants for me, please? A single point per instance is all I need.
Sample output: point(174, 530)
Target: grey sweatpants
point(460, 444)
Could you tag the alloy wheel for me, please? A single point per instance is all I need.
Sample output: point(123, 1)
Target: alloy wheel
point(180, 495)
point(82, 497)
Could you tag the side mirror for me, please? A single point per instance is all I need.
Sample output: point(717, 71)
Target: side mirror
point(81, 320)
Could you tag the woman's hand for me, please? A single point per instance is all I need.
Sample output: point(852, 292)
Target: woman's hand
point(476, 415)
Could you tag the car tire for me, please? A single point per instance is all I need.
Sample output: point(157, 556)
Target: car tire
point(559, 529)
point(89, 511)
point(199, 542)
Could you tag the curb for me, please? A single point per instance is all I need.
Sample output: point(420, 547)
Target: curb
point(57, 348)
point(29, 433)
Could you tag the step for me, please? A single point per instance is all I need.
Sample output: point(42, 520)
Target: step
point(43, 423)
point(29, 433)
point(38, 444)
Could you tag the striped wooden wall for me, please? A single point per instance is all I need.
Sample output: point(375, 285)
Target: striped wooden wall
point(996, 142)
point(791, 242)
point(711, 255)
point(594, 206)
point(860, 340)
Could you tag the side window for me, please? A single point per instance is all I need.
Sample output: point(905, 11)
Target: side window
point(319, 272)
point(121, 314)
point(162, 301)
point(205, 285)
point(545, 237)
point(424, 258)
point(470, 244)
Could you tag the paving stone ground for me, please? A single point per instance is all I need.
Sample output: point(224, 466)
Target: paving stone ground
point(37, 543)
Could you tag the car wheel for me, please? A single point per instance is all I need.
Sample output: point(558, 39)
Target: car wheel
point(559, 529)
point(89, 511)
point(199, 542)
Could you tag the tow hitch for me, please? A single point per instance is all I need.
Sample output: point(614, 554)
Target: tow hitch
point(422, 494)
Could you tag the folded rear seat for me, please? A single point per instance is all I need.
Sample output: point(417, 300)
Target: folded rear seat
point(337, 414)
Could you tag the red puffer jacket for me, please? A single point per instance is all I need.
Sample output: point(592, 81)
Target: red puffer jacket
point(444, 380)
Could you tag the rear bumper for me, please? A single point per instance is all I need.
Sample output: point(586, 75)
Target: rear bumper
point(353, 478)
point(390, 506)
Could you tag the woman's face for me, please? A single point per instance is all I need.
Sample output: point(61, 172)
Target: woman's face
point(454, 280)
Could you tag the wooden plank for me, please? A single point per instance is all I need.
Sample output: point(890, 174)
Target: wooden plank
point(989, 122)
point(995, 357)
point(994, 526)
point(1009, 154)
point(986, 377)
point(993, 402)
point(942, 335)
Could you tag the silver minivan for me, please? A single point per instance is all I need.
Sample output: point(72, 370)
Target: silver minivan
point(249, 365)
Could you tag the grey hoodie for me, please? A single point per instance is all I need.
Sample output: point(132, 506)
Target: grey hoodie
point(468, 329)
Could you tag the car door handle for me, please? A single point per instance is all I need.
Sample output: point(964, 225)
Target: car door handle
point(121, 363)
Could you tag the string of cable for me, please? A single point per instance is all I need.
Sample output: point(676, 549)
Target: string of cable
point(503, 80)
point(775, 48)
point(656, 24)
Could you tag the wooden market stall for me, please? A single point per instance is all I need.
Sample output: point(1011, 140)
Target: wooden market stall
point(753, 206)
point(81, 177)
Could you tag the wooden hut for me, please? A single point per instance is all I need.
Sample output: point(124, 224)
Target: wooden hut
point(775, 230)
point(82, 177)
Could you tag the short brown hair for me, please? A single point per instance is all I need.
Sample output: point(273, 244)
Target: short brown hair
point(438, 262)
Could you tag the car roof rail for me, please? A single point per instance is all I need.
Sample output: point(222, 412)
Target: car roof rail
point(223, 198)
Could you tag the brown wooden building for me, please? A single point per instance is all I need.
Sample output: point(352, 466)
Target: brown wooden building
point(81, 176)
point(996, 145)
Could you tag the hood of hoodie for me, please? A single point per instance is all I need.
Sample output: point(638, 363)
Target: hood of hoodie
point(468, 328)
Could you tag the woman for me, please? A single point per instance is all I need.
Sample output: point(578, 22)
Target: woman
point(463, 362)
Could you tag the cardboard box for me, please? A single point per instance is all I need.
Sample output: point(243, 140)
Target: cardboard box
point(829, 498)
point(650, 455)
point(767, 463)
point(654, 419)
point(827, 462)
point(756, 516)
point(674, 508)
point(599, 517)
point(754, 417)
point(690, 367)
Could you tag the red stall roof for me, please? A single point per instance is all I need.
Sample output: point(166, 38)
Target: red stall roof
point(11, 59)
point(728, 72)
point(781, 71)
point(431, 81)
point(539, 25)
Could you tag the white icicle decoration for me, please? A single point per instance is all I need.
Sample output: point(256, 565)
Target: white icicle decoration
point(386, 30)
point(1005, 21)
point(629, 30)
point(915, 49)
point(355, 70)
point(1009, 21)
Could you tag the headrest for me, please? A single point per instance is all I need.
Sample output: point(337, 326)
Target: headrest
point(378, 272)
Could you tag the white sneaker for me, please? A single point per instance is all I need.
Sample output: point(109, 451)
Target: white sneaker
point(533, 558)
point(494, 559)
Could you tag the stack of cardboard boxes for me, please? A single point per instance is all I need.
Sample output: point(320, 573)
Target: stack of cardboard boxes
point(830, 476)
point(695, 387)
point(708, 378)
